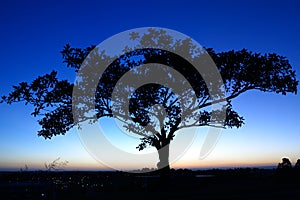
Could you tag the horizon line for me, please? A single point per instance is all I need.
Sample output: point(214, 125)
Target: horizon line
point(114, 170)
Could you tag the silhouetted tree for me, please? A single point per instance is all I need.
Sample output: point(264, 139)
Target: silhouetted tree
point(241, 71)
point(285, 164)
point(55, 165)
point(297, 165)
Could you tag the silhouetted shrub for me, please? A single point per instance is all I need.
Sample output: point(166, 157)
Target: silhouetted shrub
point(285, 164)
point(297, 165)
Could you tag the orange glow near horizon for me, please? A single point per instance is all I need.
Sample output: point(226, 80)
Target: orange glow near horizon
point(94, 166)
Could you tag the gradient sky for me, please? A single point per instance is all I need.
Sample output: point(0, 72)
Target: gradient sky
point(32, 33)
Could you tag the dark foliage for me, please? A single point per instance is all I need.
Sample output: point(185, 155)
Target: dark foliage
point(241, 71)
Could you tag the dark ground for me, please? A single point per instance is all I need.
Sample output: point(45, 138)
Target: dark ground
point(242, 183)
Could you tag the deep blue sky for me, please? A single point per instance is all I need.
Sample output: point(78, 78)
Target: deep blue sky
point(32, 34)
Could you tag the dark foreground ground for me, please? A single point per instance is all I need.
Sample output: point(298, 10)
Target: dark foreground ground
point(247, 183)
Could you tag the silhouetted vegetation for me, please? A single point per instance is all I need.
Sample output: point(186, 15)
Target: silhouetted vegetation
point(285, 171)
point(297, 165)
point(240, 70)
point(56, 165)
point(234, 183)
point(285, 164)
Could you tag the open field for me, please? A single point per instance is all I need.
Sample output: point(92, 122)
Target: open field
point(246, 183)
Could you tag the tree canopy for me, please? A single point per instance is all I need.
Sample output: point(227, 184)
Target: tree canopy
point(155, 110)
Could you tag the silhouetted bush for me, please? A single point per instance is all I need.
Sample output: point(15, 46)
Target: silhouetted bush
point(297, 165)
point(285, 164)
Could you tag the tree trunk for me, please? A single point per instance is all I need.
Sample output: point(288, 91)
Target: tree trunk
point(163, 164)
